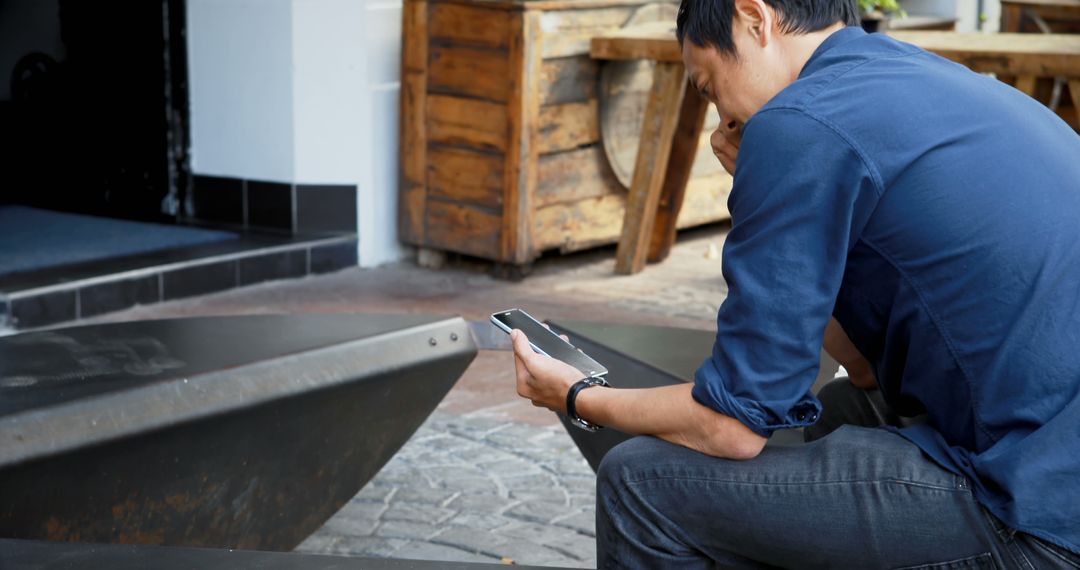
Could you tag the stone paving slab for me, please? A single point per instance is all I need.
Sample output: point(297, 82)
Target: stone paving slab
point(473, 489)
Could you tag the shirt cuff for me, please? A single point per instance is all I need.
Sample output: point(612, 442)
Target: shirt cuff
point(762, 416)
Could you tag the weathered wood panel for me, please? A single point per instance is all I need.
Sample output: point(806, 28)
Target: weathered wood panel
point(568, 80)
point(456, 121)
point(413, 124)
point(470, 72)
point(568, 32)
point(705, 201)
point(468, 25)
point(522, 153)
point(465, 175)
point(568, 126)
point(580, 225)
point(464, 228)
point(598, 220)
point(574, 175)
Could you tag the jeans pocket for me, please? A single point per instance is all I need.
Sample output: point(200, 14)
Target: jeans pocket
point(978, 562)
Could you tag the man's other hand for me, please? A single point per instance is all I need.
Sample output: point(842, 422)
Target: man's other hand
point(725, 142)
point(542, 379)
point(840, 347)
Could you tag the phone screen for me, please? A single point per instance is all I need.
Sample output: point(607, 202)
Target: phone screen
point(546, 342)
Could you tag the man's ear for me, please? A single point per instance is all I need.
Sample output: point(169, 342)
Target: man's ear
point(756, 19)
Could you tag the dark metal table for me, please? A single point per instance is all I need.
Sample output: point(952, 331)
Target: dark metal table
point(227, 432)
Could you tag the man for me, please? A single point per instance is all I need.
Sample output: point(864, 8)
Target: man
point(923, 223)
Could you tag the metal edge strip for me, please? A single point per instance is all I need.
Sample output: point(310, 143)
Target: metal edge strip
point(36, 434)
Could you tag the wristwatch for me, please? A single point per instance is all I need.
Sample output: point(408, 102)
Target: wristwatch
point(571, 397)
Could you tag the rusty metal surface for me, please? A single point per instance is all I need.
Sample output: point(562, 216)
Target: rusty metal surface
point(40, 555)
point(261, 428)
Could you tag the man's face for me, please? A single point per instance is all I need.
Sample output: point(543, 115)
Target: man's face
point(739, 84)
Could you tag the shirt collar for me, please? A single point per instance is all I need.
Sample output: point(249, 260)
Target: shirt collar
point(841, 36)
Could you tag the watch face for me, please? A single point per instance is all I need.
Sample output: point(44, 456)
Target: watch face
point(584, 425)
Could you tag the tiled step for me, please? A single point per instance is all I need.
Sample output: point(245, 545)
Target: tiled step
point(72, 292)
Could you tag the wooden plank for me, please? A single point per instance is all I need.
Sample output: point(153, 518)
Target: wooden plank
point(465, 175)
point(1026, 84)
point(468, 25)
point(580, 225)
point(463, 228)
point(469, 72)
point(706, 200)
point(1074, 94)
point(471, 123)
point(522, 152)
point(568, 126)
point(568, 32)
point(655, 41)
point(575, 175)
point(657, 132)
point(1042, 55)
point(684, 151)
point(412, 124)
point(568, 80)
point(597, 220)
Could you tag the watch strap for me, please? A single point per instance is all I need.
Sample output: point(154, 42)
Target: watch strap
point(571, 401)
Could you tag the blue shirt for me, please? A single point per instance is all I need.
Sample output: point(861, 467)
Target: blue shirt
point(935, 213)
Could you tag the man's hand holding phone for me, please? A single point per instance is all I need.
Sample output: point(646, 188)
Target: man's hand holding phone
point(541, 378)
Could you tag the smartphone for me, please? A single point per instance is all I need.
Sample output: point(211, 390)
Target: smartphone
point(544, 341)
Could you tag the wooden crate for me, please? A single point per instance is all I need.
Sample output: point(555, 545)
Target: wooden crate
point(500, 143)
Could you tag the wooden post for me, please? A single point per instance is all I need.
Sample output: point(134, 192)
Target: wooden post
point(657, 131)
point(522, 153)
point(681, 162)
point(413, 122)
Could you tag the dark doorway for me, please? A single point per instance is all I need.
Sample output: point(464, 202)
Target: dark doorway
point(96, 122)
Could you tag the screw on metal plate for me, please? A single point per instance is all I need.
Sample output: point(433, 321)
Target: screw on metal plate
point(432, 341)
point(453, 337)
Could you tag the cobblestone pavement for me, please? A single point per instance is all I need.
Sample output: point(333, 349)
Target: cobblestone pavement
point(473, 489)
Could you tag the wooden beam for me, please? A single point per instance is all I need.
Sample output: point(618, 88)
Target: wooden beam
point(680, 164)
point(412, 185)
point(657, 131)
point(522, 153)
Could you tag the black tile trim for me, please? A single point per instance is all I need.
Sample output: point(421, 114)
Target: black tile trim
point(270, 205)
point(217, 199)
point(325, 208)
point(119, 294)
point(333, 257)
point(93, 296)
point(200, 279)
point(272, 266)
point(47, 309)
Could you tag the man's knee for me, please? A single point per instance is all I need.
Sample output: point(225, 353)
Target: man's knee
point(620, 461)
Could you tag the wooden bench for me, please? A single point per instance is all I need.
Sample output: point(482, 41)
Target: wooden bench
point(674, 114)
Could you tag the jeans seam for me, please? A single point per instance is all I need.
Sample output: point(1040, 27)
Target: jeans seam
point(802, 483)
point(1007, 538)
point(1036, 542)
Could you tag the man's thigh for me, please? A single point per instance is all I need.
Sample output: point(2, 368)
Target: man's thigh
point(858, 498)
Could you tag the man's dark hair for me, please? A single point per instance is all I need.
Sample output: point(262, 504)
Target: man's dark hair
point(709, 21)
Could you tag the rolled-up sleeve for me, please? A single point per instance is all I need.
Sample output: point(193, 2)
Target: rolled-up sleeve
point(802, 195)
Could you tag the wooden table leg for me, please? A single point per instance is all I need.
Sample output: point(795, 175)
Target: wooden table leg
point(1074, 93)
point(680, 163)
point(657, 132)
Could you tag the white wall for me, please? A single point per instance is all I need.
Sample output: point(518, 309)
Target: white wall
point(378, 208)
point(27, 26)
point(241, 85)
point(324, 107)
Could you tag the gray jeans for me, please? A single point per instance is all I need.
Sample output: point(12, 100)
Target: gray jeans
point(858, 497)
